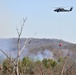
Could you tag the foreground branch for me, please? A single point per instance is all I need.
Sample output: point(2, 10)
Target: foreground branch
point(64, 63)
point(5, 54)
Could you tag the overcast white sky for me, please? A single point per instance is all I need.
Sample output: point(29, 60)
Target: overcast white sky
point(40, 18)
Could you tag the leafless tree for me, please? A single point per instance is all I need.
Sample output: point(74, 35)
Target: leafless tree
point(27, 41)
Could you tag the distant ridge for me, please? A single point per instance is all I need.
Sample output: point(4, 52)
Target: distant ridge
point(37, 46)
point(11, 43)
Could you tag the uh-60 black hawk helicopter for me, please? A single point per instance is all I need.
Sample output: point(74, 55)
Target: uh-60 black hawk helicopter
point(63, 10)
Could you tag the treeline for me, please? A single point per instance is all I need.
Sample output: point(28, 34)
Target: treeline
point(28, 66)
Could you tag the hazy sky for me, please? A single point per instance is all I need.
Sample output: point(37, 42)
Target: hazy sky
point(40, 18)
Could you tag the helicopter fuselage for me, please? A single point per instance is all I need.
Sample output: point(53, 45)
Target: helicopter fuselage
point(63, 10)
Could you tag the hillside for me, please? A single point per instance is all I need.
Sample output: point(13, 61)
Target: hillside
point(38, 48)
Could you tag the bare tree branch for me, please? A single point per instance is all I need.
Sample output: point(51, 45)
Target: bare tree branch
point(70, 68)
point(64, 63)
point(24, 20)
point(28, 41)
point(5, 54)
point(17, 30)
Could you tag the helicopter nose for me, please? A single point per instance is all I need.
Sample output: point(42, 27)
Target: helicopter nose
point(54, 10)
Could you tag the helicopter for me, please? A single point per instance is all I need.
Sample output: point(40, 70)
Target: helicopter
point(63, 10)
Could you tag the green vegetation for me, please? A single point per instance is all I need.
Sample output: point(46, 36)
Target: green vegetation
point(30, 67)
point(49, 63)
